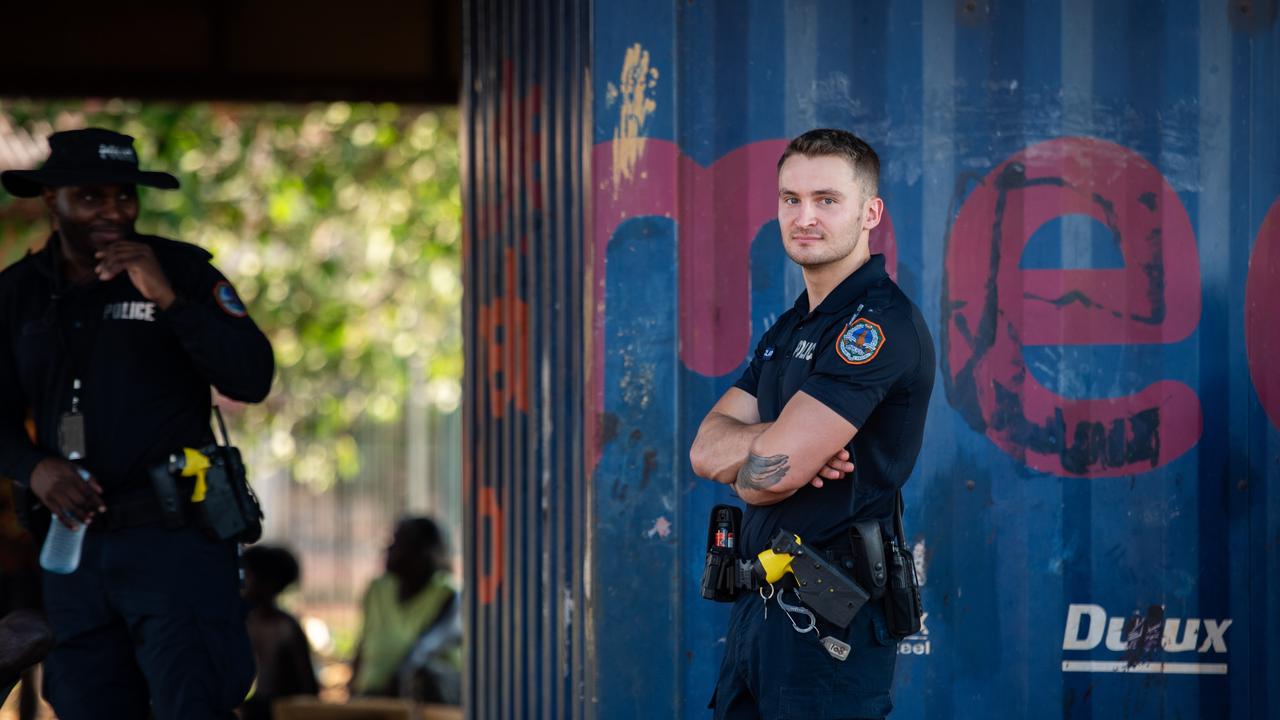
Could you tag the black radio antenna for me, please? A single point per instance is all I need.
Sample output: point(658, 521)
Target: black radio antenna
point(226, 439)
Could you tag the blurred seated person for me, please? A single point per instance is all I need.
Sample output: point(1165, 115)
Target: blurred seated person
point(280, 648)
point(411, 642)
point(432, 672)
point(25, 635)
point(25, 639)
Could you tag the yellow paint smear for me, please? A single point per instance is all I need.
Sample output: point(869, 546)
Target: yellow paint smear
point(638, 78)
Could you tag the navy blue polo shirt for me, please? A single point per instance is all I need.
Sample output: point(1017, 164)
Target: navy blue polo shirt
point(867, 354)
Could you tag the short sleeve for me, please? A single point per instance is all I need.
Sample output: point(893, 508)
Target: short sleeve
point(749, 381)
point(854, 372)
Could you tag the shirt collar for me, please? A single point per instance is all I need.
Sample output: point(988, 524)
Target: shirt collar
point(849, 289)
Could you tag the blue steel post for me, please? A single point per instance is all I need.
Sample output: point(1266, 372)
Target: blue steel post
point(525, 174)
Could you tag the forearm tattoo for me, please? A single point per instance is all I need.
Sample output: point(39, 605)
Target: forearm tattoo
point(762, 473)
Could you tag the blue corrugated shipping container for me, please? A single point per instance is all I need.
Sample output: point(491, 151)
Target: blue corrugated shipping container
point(1084, 199)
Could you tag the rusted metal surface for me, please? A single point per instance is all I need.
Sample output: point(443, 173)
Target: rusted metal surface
point(526, 495)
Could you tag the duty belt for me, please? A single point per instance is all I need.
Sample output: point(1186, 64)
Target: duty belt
point(128, 512)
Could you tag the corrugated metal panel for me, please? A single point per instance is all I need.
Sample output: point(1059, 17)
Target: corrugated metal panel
point(524, 182)
point(1083, 200)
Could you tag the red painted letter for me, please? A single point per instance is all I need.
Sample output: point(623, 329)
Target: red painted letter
point(1262, 315)
point(489, 578)
point(504, 328)
point(992, 309)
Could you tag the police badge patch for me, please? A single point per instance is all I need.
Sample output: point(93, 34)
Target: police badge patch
point(860, 341)
point(226, 297)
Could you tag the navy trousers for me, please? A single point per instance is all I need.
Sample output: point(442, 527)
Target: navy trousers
point(771, 672)
point(152, 621)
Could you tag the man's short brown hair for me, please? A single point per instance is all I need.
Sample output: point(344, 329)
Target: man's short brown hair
point(842, 143)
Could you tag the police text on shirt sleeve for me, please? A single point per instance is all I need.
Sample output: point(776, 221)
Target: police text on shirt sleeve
point(749, 381)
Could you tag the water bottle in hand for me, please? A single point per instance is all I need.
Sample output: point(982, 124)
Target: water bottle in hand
point(61, 551)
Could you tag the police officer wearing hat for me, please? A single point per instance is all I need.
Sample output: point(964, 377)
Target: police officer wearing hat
point(109, 343)
point(820, 432)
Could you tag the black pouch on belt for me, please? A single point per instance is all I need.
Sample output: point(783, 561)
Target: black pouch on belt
point(902, 608)
point(867, 543)
point(718, 573)
point(172, 507)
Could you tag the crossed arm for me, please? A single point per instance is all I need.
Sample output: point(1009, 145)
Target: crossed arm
point(768, 462)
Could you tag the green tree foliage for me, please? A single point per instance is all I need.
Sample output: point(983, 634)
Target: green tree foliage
point(340, 225)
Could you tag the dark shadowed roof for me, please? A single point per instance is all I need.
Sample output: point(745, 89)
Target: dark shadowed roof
point(379, 50)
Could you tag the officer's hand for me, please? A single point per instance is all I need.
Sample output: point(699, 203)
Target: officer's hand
point(139, 260)
point(71, 498)
point(836, 468)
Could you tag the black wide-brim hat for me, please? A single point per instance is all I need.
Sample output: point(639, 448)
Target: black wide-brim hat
point(92, 156)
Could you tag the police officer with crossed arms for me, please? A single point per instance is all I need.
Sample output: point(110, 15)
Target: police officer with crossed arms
point(819, 433)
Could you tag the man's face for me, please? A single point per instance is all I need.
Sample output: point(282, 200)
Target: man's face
point(822, 209)
point(91, 217)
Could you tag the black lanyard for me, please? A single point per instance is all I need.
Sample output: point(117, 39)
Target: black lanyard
point(55, 300)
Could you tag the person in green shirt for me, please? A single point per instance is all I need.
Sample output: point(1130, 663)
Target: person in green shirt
point(415, 600)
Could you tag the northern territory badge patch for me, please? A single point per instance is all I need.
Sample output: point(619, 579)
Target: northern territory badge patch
point(225, 296)
point(860, 342)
